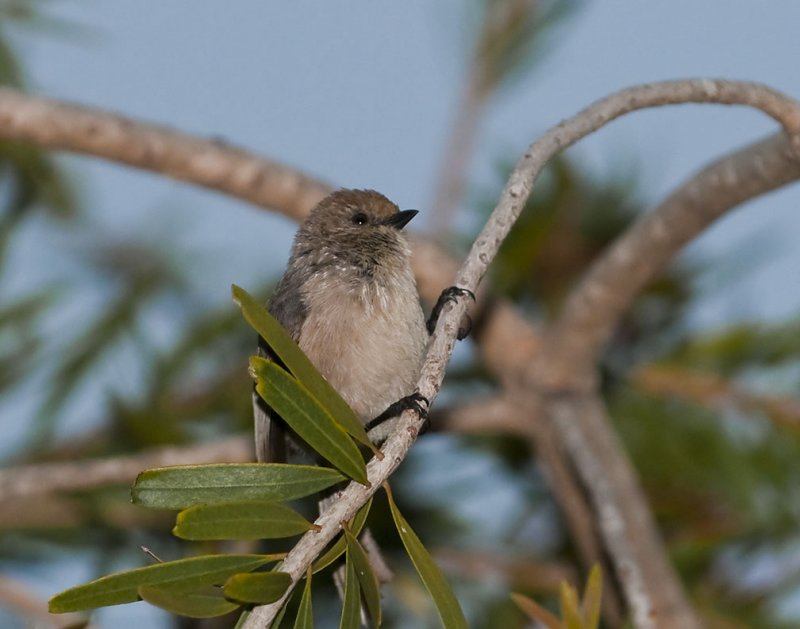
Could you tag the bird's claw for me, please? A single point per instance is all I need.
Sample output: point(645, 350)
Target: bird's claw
point(415, 402)
point(451, 293)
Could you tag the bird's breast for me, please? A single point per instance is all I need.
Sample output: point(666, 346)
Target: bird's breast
point(367, 340)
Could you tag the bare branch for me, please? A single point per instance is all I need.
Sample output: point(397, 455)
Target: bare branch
point(245, 176)
point(526, 573)
point(568, 355)
point(516, 192)
point(15, 596)
point(483, 251)
point(209, 163)
point(567, 359)
point(715, 391)
point(592, 311)
point(624, 519)
point(44, 478)
point(500, 413)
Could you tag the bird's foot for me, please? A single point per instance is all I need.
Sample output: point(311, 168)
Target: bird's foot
point(416, 402)
point(451, 294)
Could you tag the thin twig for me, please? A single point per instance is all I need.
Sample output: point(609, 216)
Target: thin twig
point(717, 392)
point(16, 597)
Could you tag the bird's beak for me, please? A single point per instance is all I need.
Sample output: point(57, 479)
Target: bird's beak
point(401, 219)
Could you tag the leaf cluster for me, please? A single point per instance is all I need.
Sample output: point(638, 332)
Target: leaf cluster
point(247, 502)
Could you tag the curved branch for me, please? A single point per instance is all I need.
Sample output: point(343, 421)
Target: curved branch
point(209, 163)
point(785, 110)
point(267, 184)
point(568, 355)
point(594, 308)
point(483, 251)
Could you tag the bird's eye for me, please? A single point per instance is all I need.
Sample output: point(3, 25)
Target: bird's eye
point(360, 218)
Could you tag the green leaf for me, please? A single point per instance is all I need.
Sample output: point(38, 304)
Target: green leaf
point(446, 603)
point(292, 401)
point(258, 587)
point(335, 551)
point(351, 600)
point(366, 577)
point(188, 485)
point(243, 618)
point(305, 614)
point(570, 609)
point(299, 365)
point(592, 598)
point(239, 520)
point(276, 623)
point(206, 602)
point(116, 589)
point(536, 612)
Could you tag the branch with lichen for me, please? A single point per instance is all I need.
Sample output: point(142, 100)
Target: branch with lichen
point(585, 329)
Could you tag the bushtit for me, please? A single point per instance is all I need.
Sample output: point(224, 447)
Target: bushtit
point(349, 299)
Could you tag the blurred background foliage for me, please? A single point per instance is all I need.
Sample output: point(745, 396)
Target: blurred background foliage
point(710, 419)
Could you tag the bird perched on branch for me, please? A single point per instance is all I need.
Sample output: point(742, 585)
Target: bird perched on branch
point(350, 301)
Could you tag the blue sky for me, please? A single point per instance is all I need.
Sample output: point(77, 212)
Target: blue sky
point(362, 94)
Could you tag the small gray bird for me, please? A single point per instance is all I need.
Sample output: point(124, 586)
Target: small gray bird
point(349, 299)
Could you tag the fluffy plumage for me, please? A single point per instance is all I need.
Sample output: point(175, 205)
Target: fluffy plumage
point(349, 299)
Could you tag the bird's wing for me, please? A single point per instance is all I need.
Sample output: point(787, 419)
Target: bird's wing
point(271, 432)
point(270, 429)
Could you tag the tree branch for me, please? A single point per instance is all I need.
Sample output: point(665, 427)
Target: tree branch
point(483, 251)
point(592, 311)
point(499, 413)
point(209, 163)
point(270, 185)
point(715, 190)
point(568, 356)
point(44, 478)
point(715, 391)
point(15, 596)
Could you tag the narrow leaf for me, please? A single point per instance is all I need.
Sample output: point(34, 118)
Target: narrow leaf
point(122, 587)
point(366, 577)
point(305, 614)
point(536, 612)
point(187, 485)
point(244, 616)
point(446, 603)
point(257, 587)
point(570, 610)
point(292, 401)
point(276, 623)
point(351, 601)
point(592, 598)
point(299, 365)
point(335, 551)
point(239, 520)
point(207, 602)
